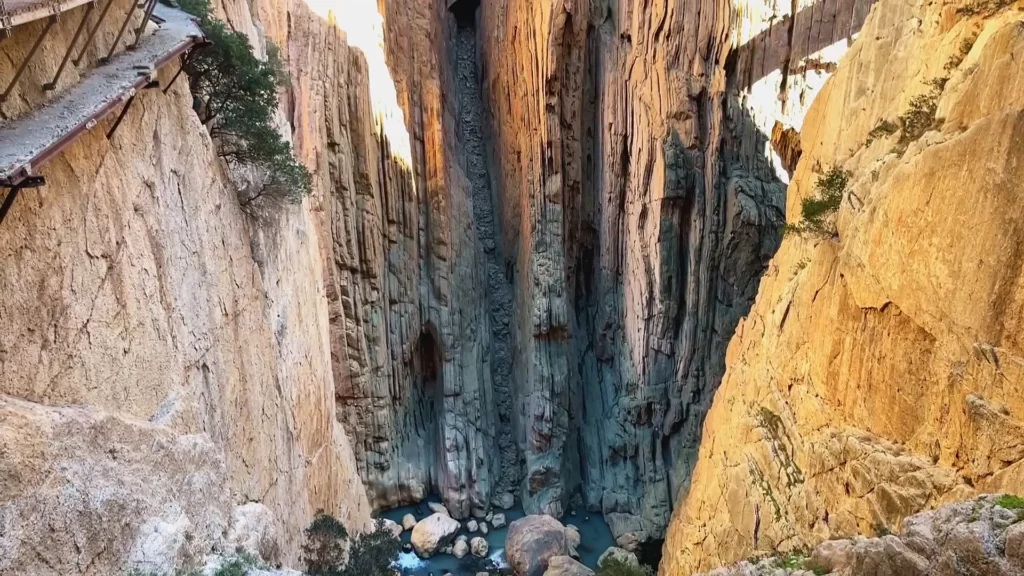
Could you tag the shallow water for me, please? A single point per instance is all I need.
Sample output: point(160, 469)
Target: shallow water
point(595, 538)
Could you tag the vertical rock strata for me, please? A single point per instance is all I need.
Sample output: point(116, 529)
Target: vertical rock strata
point(879, 373)
point(624, 202)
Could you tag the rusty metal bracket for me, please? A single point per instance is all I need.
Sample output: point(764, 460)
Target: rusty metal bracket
point(12, 194)
point(120, 32)
point(92, 33)
point(181, 68)
point(142, 27)
point(31, 53)
point(120, 117)
point(71, 47)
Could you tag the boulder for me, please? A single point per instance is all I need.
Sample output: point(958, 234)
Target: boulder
point(483, 528)
point(461, 547)
point(489, 516)
point(620, 554)
point(1015, 545)
point(566, 566)
point(408, 521)
point(438, 508)
point(572, 539)
point(505, 500)
point(478, 512)
point(479, 547)
point(433, 532)
point(833, 555)
point(391, 526)
point(498, 520)
point(532, 541)
point(472, 526)
point(253, 530)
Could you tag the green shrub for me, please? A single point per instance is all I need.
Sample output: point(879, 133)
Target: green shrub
point(958, 57)
point(372, 553)
point(817, 210)
point(236, 96)
point(1010, 502)
point(617, 567)
point(369, 554)
point(882, 129)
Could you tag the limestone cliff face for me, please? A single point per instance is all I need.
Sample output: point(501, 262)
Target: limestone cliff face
point(880, 373)
point(165, 356)
point(623, 204)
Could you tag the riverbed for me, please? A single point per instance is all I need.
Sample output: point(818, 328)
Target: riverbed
point(595, 538)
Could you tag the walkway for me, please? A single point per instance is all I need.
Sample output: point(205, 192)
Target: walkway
point(28, 142)
point(17, 12)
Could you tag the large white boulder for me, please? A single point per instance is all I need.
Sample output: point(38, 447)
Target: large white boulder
point(433, 532)
point(408, 521)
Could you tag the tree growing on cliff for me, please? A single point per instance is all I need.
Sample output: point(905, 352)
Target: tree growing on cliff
point(235, 95)
point(819, 209)
point(328, 551)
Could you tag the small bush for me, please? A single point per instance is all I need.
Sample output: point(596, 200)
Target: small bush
point(236, 96)
point(1010, 502)
point(817, 210)
point(983, 7)
point(957, 58)
point(369, 554)
point(617, 567)
point(372, 553)
point(881, 130)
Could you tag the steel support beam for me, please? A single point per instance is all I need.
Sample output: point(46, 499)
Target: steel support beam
point(181, 68)
point(71, 48)
point(120, 117)
point(142, 27)
point(92, 33)
point(31, 53)
point(12, 194)
point(120, 32)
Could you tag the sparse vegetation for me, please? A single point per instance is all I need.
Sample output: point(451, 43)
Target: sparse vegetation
point(369, 554)
point(618, 567)
point(881, 130)
point(236, 96)
point(817, 211)
point(1010, 502)
point(958, 57)
point(983, 7)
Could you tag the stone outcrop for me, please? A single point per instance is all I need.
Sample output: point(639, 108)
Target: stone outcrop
point(974, 537)
point(878, 373)
point(139, 291)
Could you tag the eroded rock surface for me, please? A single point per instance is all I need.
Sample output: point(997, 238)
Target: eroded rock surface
point(879, 372)
point(973, 537)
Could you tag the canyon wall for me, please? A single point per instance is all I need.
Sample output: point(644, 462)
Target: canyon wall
point(879, 373)
point(624, 193)
point(166, 356)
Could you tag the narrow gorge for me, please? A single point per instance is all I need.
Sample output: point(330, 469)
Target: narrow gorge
point(707, 284)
